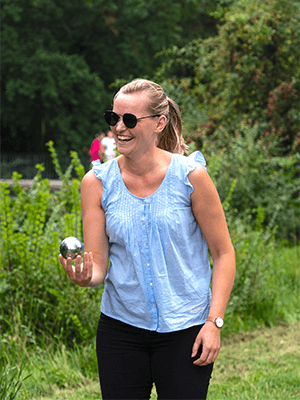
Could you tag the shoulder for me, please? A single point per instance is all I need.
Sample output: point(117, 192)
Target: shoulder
point(198, 175)
point(192, 169)
point(185, 167)
point(91, 191)
point(90, 183)
point(204, 191)
point(89, 177)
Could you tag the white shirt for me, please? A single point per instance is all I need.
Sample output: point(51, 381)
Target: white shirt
point(110, 146)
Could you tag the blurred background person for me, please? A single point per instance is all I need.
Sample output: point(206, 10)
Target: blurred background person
point(97, 150)
point(110, 145)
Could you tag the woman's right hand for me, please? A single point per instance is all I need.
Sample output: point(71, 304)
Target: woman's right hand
point(81, 273)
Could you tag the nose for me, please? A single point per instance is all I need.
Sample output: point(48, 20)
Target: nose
point(120, 126)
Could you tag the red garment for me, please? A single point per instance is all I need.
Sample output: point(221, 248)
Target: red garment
point(94, 150)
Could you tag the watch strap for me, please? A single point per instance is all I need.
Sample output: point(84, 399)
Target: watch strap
point(214, 321)
point(211, 319)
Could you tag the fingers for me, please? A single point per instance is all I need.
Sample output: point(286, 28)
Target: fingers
point(62, 260)
point(87, 267)
point(208, 356)
point(208, 341)
point(196, 346)
point(65, 264)
point(80, 273)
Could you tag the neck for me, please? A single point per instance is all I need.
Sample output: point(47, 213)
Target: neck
point(142, 165)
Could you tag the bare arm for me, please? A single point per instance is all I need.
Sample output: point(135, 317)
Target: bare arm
point(207, 209)
point(95, 260)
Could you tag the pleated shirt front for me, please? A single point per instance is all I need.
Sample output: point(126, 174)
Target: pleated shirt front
point(159, 273)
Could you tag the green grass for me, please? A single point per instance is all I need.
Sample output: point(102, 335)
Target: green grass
point(261, 365)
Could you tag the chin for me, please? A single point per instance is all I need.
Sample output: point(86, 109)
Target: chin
point(122, 151)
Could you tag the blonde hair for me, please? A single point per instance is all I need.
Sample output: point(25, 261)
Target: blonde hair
point(170, 139)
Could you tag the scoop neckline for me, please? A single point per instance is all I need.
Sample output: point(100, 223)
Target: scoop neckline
point(156, 191)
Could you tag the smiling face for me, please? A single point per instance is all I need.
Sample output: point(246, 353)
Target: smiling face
point(142, 138)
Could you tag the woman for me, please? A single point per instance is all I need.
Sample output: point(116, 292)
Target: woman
point(97, 149)
point(152, 212)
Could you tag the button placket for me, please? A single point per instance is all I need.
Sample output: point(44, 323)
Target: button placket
point(149, 277)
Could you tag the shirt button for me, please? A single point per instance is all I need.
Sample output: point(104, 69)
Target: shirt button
point(151, 284)
point(143, 223)
point(143, 201)
point(146, 244)
point(154, 305)
point(148, 264)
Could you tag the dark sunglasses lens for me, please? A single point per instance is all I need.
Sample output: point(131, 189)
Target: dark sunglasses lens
point(111, 118)
point(129, 120)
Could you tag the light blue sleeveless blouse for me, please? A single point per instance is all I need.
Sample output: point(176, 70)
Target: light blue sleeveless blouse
point(159, 274)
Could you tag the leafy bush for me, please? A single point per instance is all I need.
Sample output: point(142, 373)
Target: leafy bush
point(264, 180)
point(38, 302)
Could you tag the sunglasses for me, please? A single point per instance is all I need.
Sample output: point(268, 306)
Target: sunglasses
point(129, 120)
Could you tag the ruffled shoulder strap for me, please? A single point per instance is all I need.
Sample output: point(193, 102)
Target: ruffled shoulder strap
point(105, 172)
point(192, 160)
point(195, 157)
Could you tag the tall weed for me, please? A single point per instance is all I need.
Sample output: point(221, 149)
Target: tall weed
point(253, 301)
point(61, 368)
point(11, 383)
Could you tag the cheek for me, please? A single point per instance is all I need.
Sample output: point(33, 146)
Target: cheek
point(114, 131)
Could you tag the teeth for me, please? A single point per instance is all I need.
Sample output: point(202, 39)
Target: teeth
point(124, 138)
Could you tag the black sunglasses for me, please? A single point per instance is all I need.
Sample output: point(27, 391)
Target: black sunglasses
point(129, 120)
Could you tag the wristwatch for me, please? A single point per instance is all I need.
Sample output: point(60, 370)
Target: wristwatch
point(218, 321)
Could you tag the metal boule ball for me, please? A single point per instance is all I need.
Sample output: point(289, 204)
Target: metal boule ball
point(71, 247)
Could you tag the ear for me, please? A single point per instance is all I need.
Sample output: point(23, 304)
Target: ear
point(161, 124)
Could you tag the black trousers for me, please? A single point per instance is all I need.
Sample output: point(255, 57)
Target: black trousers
point(131, 359)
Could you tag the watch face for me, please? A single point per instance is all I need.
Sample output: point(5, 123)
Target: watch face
point(219, 322)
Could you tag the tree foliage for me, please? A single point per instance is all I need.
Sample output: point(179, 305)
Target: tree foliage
point(49, 93)
point(248, 71)
point(60, 57)
point(57, 98)
point(239, 93)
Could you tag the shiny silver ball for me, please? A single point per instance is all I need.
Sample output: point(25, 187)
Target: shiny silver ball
point(71, 247)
